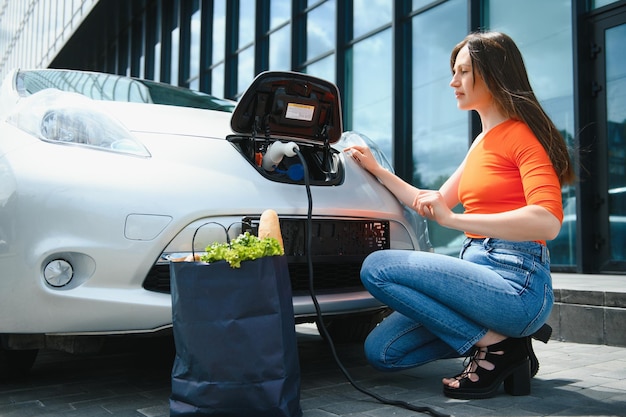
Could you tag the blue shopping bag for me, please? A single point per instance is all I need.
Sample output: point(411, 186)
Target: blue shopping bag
point(234, 332)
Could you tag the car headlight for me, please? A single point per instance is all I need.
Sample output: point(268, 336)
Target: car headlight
point(352, 138)
point(72, 119)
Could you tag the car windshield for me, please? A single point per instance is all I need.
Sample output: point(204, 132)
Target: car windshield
point(111, 87)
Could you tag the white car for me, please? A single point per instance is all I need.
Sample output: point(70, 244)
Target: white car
point(104, 179)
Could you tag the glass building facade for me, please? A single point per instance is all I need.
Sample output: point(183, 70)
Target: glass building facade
point(391, 62)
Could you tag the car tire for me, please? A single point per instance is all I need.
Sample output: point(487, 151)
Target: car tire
point(16, 363)
point(352, 328)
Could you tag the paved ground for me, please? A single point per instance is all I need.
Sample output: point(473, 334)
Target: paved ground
point(132, 379)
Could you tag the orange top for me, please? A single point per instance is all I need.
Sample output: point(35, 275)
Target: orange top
point(509, 169)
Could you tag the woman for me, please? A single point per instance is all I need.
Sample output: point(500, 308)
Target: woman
point(488, 303)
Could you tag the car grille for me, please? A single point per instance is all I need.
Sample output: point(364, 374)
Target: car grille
point(339, 248)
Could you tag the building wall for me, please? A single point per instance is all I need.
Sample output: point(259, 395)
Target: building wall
point(32, 32)
point(389, 59)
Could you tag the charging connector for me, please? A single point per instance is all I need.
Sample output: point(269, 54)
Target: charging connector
point(276, 152)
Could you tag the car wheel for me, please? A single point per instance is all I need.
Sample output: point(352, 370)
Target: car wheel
point(352, 328)
point(16, 363)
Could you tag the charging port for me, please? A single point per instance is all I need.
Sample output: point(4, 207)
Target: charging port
point(323, 162)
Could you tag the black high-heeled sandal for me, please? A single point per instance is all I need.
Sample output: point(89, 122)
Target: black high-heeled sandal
point(543, 335)
point(510, 365)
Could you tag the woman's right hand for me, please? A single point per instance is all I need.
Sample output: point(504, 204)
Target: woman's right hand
point(402, 190)
point(363, 156)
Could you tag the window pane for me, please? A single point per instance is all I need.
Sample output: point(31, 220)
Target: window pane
point(371, 103)
point(219, 31)
point(154, 42)
point(370, 14)
point(44, 6)
point(596, 4)
point(280, 49)
point(245, 70)
point(324, 68)
point(69, 11)
point(194, 45)
point(440, 129)
point(551, 76)
point(246, 22)
point(418, 4)
point(157, 61)
point(217, 81)
point(615, 123)
point(615, 38)
point(174, 61)
point(320, 36)
point(280, 12)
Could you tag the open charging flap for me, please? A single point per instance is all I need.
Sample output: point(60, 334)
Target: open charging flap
point(290, 107)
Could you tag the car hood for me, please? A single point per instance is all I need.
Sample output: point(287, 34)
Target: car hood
point(156, 118)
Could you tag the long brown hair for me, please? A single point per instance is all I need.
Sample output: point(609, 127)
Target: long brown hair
point(499, 62)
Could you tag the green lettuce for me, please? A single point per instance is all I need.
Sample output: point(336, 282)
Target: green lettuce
point(246, 247)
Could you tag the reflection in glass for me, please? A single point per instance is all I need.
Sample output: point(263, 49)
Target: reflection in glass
point(245, 69)
point(324, 68)
point(370, 14)
point(217, 81)
point(439, 128)
point(596, 4)
point(280, 12)
point(152, 38)
point(551, 76)
point(615, 38)
point(157, 61)
point(138, 52)
point(44, 24)
point(320, 36)
point(280, 49)
point(174, 60)
point(418, 4)
point(123, 65)
point(194, 45)
point(69, 11)
point(109, 87)
point(219, 30)
point(371, 102)
point(246, 22)
point(440, 138)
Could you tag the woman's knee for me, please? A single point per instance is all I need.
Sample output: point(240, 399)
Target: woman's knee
point(372, 268)
point(375, 353)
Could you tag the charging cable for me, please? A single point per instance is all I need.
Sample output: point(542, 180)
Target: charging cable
point(321, 326)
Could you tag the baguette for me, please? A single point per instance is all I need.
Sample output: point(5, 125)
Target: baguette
point(269, 226)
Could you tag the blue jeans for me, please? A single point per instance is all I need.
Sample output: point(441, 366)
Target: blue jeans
point(444, 305)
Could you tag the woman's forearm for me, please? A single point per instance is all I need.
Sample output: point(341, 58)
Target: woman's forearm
point(403, 191)
point(527, 223)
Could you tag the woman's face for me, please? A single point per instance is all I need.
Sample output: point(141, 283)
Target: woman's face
point(469, 87)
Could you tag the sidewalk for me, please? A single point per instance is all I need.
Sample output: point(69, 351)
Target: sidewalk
point(573, 380)
point(582, 369)
point(133, 380)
